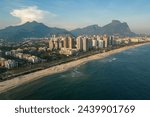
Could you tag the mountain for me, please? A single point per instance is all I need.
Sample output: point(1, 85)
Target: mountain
point(29, 30)
point(113, 28)
point(89, 30)
point(116, 27)
point(39, 30)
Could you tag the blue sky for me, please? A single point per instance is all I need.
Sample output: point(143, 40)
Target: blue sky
point(71, 14)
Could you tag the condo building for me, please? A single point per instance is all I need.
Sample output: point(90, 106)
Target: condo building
point(85, 44)
point(105, 38)
point(79, 43)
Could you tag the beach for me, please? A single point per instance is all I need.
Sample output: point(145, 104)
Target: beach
point(12, 83)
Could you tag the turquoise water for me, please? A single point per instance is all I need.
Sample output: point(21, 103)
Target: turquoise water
point(125, 75)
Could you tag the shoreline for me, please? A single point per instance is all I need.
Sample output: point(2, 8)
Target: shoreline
point(20, 80)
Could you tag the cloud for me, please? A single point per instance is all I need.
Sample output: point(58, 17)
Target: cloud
point(32, 13)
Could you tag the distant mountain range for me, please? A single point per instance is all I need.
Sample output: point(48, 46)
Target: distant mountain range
point(29, 30)
point(39, 30)
point(113, 28)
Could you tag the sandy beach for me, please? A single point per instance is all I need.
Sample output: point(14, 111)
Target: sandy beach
point(12, 83)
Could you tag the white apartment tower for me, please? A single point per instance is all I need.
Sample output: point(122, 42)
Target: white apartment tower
point(105, 38)
point(51, 44)
point(85, 44)
point(79, 43)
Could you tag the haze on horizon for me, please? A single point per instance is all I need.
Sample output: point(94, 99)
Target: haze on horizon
point(71, 14)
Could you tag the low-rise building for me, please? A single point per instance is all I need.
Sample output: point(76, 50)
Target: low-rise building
point(42, 49)
point(33, 59)
point(1, 52)
point(2, 62)
point(8, 53)
point(134, 40)
point(11, 64)
point(19, 55)
point(67, 51)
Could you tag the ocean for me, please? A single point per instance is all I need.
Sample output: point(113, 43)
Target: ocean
point(123, 76)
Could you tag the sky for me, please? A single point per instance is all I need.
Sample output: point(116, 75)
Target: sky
point(71, 14)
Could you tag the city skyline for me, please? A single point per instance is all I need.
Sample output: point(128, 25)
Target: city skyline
point(71, 14)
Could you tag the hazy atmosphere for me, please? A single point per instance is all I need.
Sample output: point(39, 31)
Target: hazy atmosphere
point(71, 14)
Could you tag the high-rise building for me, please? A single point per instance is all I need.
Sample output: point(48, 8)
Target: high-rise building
point(105, 38)
point(56, 44)
point(94, 43)
point(98, 37)
point(100, 43)
point(60, 44)
point(79, 43)
point(70, 39)
point(110, 40)
point(51, 44)
point(113, 40)
point(65, 39)
point(85, 44)
point(90, 44)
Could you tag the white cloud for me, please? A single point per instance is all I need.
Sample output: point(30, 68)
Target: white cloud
point(32, 13)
